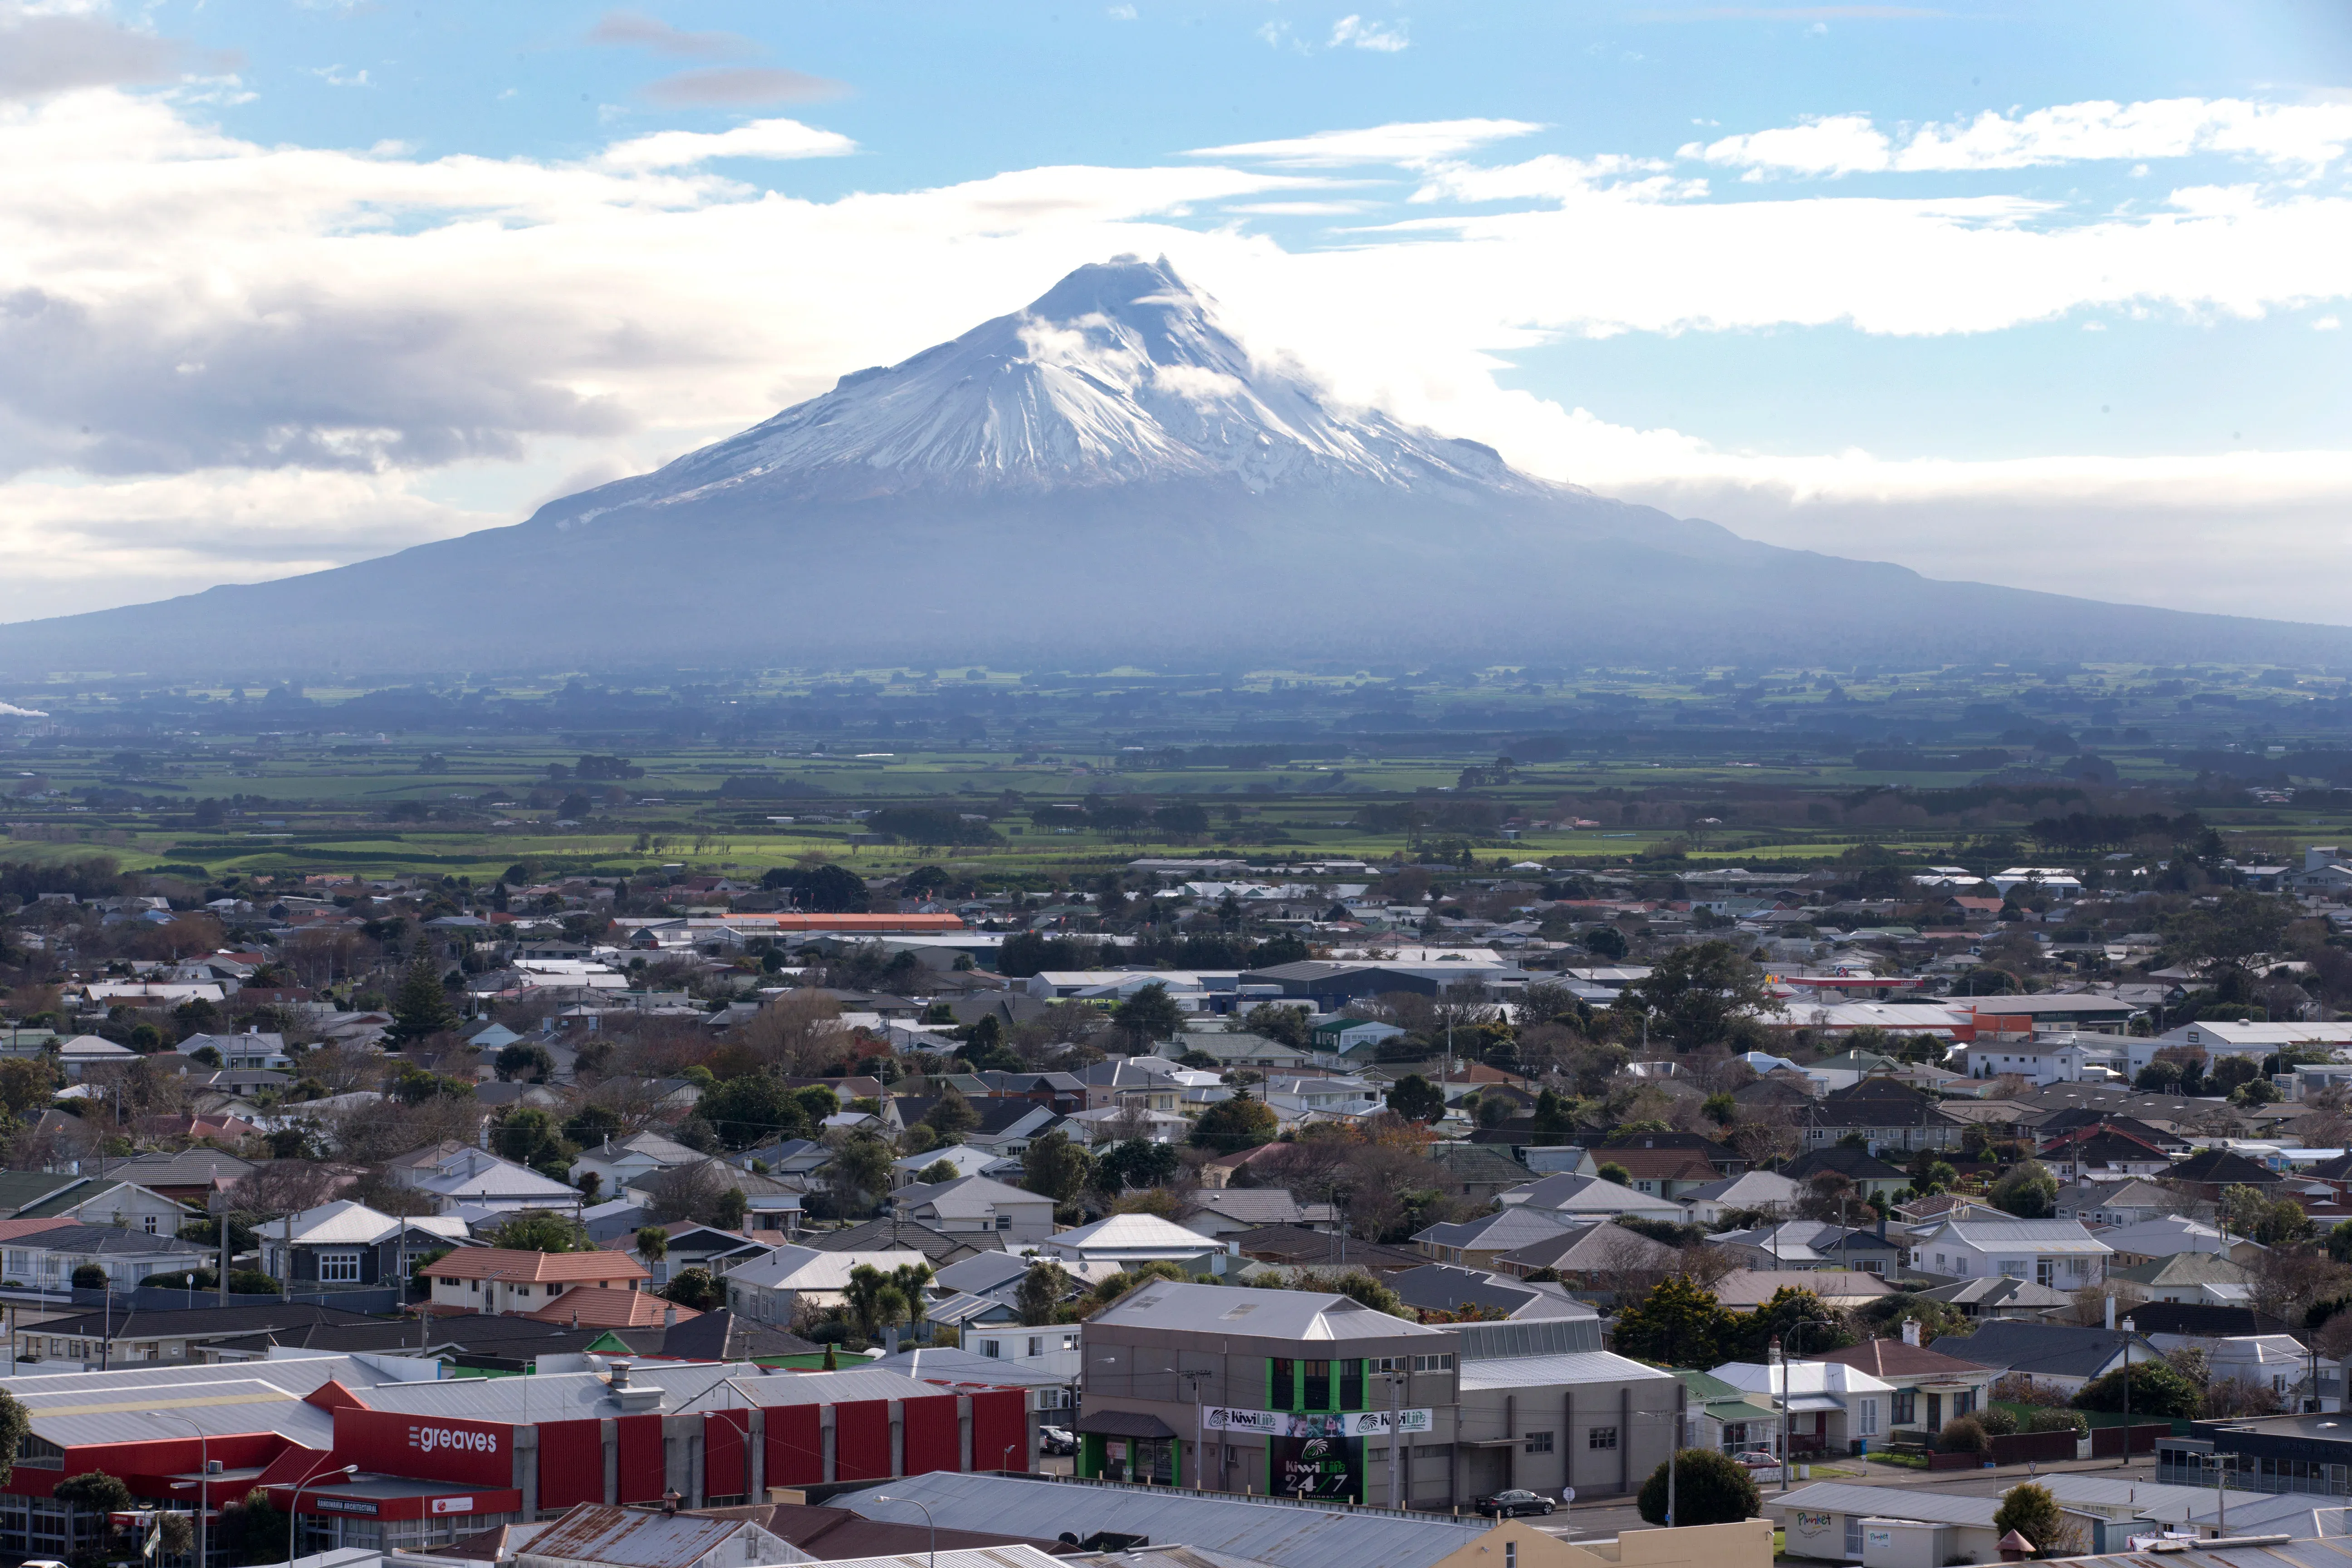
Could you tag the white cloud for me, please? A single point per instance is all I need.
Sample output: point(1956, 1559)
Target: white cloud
point(1119, 12)
point(336, 76)
point(1355, 33)
point(760, 139)
point(2300, 137)
point(10, 711)
point(224, 361)
point(1410, 143)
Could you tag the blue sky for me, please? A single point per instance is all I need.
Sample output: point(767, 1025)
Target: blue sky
point(2042, 295)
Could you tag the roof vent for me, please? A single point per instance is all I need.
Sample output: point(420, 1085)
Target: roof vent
point(620, 1374)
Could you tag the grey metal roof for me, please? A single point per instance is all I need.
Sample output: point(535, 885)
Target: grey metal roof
point(1557, 1371)
point(2144, 1500)
point(149, 1401)
point(1263, 1314)
point(1278, 1534)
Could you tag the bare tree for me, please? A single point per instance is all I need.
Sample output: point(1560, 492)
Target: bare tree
point(287, 1186)
point(688, 1192)
point(798, 1034)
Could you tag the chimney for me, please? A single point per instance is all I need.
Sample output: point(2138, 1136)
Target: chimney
point(620, 1374)
point(669, 1317)
point(1911, 1333)
point(2111, 1313)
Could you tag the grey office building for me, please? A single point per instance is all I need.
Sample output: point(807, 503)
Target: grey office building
point(1298, 1392)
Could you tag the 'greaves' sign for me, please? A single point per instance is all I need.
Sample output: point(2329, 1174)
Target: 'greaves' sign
point(426, 1447)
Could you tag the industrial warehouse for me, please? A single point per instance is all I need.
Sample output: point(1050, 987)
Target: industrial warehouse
point(389, 1452)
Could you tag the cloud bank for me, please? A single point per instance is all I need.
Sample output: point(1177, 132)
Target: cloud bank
point(221, 360)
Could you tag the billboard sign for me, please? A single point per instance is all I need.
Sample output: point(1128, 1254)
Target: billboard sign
point(426, 1447)
point(1356, 1424)
point(1319, 1461)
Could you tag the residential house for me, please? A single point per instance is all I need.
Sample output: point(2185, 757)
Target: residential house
point(1478, 1243)
point(769, 1289)
point(89, 1200)
point(2045, 1058)
point(1295, 1248)
point(1604, 1258)
point(1873, 1178)
point(2047, 1355)
point(2169, 1236)
point(118, 1336)
point(252, 1050)
point(1656, 1172)
point(83, 1052)
point(1120, 1123)
point(1751, 1192)
point(1220, 1211)
point(2104, 1153)
point(965, 1160)
point(1128, 1239)
point(47, 1258)
point(1726, 1160)
point(347, 1243)
point(2208, 1173)
point(1993, 1300)
point(1745, 1289)
point(1004, 1127)
point(1477, 1173)
point(501, 1282)
point(1727, 1420)
point(1239, 1049)
point(1444, 1288)
point(1885, 1114)
point(1352, 1038)
point(978, 1205)
point(620, 1164)
point(2109, 1204)
point(2192, 1278)
point(1802, 1245)
point(2058, 1253)
point(1930, 1387)
point(1568, 1196)
point(469, 1181)
point(890, 1233)
point(1831, 1407)
point(187, 1176)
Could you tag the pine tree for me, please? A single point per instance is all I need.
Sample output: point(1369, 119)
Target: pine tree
point(421, 1009)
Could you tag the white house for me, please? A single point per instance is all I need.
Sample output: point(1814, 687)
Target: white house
point(463, 1178)
point(1830, 1405)
point(975, 1206)
point(632, 1160)
point(2055, 880)
point(1127, 1239)
point(1766, 1189)
point(252, 1050)
point(2048, 1058)
point(767, 1288)
point(2058, 1253)
point(1570, 1197)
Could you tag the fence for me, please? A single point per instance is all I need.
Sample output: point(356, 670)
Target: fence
point(2108, 1442)
point(2043, 1448)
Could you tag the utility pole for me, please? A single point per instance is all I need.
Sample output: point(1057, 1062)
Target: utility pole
point(1675, 1448)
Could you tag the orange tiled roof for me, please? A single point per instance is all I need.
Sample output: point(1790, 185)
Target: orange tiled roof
point(594, 1309)
point(514, 1267)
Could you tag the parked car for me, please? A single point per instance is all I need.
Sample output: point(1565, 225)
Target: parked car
point(1757, 1459)
point(1515, 1503)
point(1056, 1440)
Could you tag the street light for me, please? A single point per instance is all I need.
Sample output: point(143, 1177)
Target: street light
point(2128, 1331)
point(1786, 1340)
point(884, 1497)
point(203, 1477)
point(294, 1504)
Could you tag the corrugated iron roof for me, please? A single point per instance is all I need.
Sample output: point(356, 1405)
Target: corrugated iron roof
point(632, 1538)
point(1279, 1535)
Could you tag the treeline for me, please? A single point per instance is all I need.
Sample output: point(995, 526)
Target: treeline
point(2094, 830)
point(94, 877)
point(1033, 952)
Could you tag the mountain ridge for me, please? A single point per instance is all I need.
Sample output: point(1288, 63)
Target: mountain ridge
point(1105, 475)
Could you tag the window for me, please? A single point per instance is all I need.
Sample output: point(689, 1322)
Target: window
point(2015, 1268)
point(1318, 1394)
point(1869, 1418)
point(1511, 1554)
point(1283, 1393)
point(1904, 1399)
point(1600, 1437)
point(1853, 1535)
point(339, 1268)
point(1351, 1386)
point(1005, 1222)
point(1537, 1443)
point(989, 1348)
point(1036, 1345)
point(1433, 1362)
point(2042, 1269)
point(147, 1223)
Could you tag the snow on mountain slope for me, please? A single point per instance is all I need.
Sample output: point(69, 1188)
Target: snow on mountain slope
point(1119, 374)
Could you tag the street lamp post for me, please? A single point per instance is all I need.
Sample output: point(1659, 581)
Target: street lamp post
point(884, 1497)
point(2128, 1331)
point(294, 1504)
point(203, 1477)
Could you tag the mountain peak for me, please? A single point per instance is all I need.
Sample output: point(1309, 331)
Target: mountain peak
point(1119, 373)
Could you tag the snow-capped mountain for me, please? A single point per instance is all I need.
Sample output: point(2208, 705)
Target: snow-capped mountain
point(1119, 374)
point(1105, 478)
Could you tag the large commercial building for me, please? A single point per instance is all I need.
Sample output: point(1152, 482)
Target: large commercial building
point(1295, 1393)
point(384, 1451)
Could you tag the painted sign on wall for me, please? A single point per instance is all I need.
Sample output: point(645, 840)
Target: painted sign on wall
point(1283, 1424)
point(428, 1448)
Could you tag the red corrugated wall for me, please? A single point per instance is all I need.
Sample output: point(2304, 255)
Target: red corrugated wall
point(570, 1463)
point(641, 1475)
point(796, 1446)
point(999, 1419)
point(726, 1457)
point(861, 1441)
point(934, 1439)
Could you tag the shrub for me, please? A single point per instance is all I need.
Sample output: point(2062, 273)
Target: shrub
point(2074, 1421)
point(2029, 1509)
point(2157, 1389)
point(1710, 1488)
point(1965, 1435)
point(1997, 1422)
